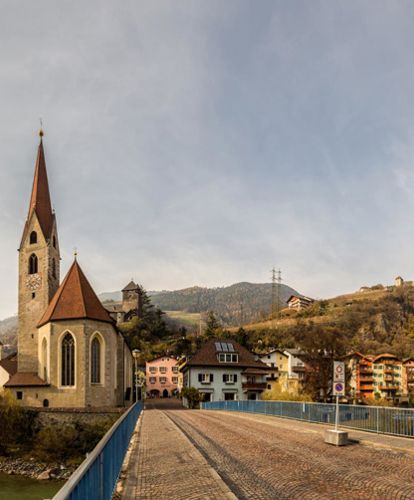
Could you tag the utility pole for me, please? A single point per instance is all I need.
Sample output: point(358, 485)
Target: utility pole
point(278, 290)
point(273, 310)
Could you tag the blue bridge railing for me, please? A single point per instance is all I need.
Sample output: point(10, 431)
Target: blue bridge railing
point(96, 477)
point(384, 420)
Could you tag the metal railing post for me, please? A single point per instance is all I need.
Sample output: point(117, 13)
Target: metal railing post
point(101, 476)
point(377, 420)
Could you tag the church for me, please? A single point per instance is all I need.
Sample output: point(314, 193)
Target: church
point(70, 353)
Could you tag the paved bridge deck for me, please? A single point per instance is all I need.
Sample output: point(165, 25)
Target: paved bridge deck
point(189, 454)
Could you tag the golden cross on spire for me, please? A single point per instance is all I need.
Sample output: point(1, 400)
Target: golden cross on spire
point(41, 133)
point(75, 253)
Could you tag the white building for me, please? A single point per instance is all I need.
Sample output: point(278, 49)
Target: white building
point(223, 370)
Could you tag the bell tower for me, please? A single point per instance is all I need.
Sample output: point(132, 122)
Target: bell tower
point(39, 265)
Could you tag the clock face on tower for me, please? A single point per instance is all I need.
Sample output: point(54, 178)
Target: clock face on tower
point(33, 282)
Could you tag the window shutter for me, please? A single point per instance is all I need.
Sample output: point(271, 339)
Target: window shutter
point(200, 377)
point(211, 377)
point(235, 377)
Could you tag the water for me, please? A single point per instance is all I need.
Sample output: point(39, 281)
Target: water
point(23, 488)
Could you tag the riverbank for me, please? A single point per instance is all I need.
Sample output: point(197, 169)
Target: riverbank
point(23, 488)
point(34, 469)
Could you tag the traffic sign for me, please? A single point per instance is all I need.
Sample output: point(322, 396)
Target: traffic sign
point(339, 372)
point(338, 389)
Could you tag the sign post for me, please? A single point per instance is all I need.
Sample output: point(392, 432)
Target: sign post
point(334, 436)
point(338, 386)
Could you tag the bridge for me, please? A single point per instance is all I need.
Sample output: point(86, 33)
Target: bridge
point(179, 454)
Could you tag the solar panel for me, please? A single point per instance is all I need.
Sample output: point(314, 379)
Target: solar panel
point(230, 347)
point(224, 347)
point(218, 346)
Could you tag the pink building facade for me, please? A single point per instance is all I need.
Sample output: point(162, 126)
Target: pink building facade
point(162, 377)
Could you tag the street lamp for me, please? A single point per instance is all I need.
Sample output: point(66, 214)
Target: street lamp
point(135, 354)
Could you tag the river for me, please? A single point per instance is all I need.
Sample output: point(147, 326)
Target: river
point(23, 488)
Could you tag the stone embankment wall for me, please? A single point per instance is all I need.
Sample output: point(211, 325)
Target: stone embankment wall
point(51, 416)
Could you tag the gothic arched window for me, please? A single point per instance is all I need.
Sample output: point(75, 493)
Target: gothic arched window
point(54, 268)
point(95, 361)
point(68, 360)
point(54, 241)
point(44, 359)
point(33, 237)
point(33, 264)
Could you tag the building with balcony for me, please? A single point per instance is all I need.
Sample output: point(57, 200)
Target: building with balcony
point(223, 370)
point(299, 302)
point(387, 376)
point(361, 380)
point(162, 377)
point(408, 377)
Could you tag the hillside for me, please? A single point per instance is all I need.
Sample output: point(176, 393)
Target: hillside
point(234, 305)
point(8, 330)
point(378, 320)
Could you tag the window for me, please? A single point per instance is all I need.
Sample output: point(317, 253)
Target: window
point(54, 241)
point(175, 380)
point(95, 361)
point(68, 360)
point(152, 380)
point(44, 359)
point(175, 369)
point(33, 264)
point(163, 380)
point(54, 268)
point(163, 369)
point(153, 369)
point(19, 395)
point(205, 378)
point(229, 378)
point(228, 358)
point(33, 237)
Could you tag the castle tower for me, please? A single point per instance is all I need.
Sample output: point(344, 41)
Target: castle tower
point(132, 299)
point(39, 265)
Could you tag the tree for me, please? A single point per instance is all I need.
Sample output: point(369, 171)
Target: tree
point(321, 346)
point(193, 396)
point(212, 326)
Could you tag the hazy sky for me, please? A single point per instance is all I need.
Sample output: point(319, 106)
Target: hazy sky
point(203, 142)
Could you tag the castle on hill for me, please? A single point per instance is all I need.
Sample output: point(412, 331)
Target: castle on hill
point(70, 352)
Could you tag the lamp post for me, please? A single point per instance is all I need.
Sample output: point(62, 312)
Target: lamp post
point(135, 354)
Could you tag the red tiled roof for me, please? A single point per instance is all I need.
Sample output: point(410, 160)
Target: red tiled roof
point(207, 356)
point(9, 364)
point(75, 299)
point(40, 199)
point(21, 379)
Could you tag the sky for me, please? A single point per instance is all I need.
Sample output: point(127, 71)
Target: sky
point(204, 142)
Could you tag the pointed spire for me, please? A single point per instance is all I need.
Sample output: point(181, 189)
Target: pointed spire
point(40, 199)
point(75, 299)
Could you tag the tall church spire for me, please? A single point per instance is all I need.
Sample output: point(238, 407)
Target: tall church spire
point(40, 199)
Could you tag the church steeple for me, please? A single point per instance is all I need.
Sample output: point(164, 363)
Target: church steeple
point(39, 265)
point(40, 199)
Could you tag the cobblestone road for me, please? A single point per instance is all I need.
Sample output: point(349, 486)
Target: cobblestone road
point(260, 460)
point(193, 454)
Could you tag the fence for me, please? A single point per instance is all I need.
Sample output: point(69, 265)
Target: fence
point(396, 421)
point(96, 477)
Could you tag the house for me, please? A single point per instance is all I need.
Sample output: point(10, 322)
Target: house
point(361, 380)
point(299, 302)
point(398, 281)
point(387, 371)
point(408, 377)
point(276, 360)
point(162, 377)
point(223, 370)
point(131, 305)
point(8, 367)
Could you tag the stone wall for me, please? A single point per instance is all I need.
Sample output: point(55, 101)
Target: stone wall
point(51, 416)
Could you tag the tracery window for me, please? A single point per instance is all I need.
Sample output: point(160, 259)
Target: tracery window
point(95, 361)
point(33, 237)
point(33, 264)
point(68, 360)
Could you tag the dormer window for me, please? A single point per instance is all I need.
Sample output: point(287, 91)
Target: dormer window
point(228, 358)
point(33, 237)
